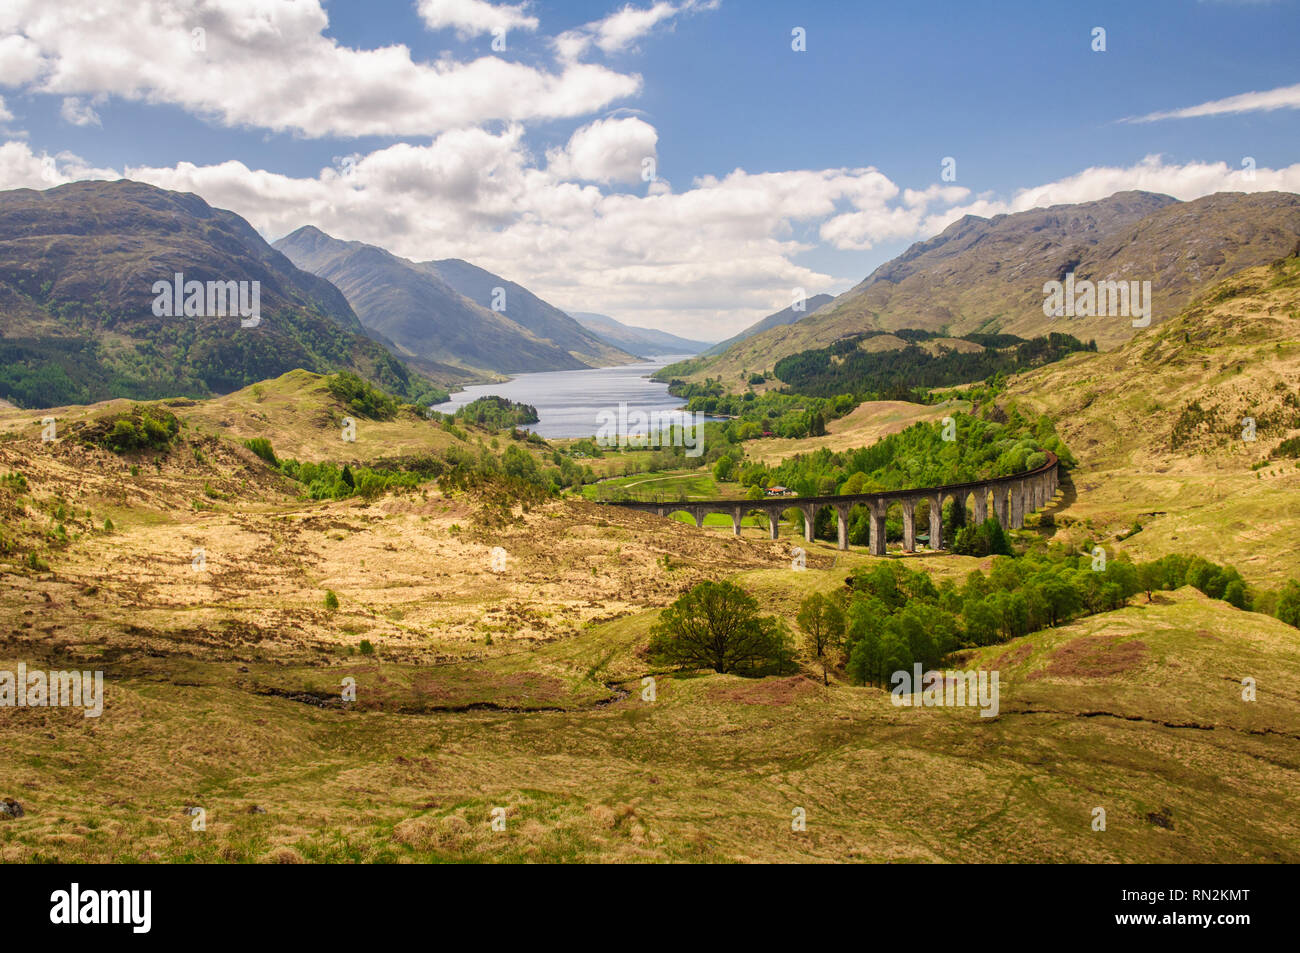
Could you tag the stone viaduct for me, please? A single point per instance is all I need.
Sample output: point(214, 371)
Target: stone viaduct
point(1008, 497)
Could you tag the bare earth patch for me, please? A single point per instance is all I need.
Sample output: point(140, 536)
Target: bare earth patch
point(766, 691)
point(1095, 656)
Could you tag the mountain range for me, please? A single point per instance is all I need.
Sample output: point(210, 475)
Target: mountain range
point(781, 318)
point(645, 342)
point(450, 312)
point(119, 289)
point(80, 315)
point(988, 274)
point(80, 265)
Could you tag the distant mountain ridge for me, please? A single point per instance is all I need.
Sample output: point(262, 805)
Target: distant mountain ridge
point(984, 275)
point(423, 315)
point(527, 309)
point(428, 317)
point(780, 318)
point(644, 342)
point(78, 265)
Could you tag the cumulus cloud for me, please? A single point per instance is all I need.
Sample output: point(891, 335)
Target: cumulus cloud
point(608, 150)
point(947, 194)
point(1284, 97)
point(473, 17)
point(20, 58)
point(269, 64)
point(22, 168)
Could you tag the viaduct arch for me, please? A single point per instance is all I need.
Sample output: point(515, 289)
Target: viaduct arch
point(1009, 498)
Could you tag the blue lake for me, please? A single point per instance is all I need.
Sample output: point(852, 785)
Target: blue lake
point(568, 402)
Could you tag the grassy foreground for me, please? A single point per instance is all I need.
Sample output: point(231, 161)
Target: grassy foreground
point(1138, 712)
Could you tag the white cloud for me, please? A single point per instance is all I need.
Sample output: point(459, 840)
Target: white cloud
point(268, 63)
point(474, 17)
point(860, 231)
point(608, 150)
point(709, 260)
point(947, 194)
point(621, 29)
point(1284, 97)
point(21, 168)
point(20, 58)
point(5, 114)
point(78, 112)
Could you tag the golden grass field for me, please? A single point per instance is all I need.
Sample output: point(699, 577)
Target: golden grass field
point(523, 690)
point(861, 427)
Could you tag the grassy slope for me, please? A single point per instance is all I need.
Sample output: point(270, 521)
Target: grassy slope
point(412, 570)
point(861, 427)
point(1237, 352)
point(302, 421)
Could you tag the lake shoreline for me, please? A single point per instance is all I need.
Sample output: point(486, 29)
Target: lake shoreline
point(569, 402)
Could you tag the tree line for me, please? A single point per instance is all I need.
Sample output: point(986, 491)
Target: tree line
point(844, 367)
point(889, 617)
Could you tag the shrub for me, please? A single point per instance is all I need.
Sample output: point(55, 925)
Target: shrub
point(331, 600)
point(1287, 448)
point(14, 481)
point(262, 447)
point(140, 428)
point(519, 463)
point(361, 398)
point(1288, 604)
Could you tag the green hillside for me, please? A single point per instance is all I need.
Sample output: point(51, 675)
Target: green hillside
point(78, 267)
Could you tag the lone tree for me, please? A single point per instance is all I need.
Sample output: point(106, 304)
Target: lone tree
point(1150, 577)
point(822, 622)
point(716, 625)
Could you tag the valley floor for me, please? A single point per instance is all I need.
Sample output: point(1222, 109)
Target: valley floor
point(483, 688)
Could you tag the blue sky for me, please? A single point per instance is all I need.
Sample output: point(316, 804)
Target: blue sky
point(534, 172)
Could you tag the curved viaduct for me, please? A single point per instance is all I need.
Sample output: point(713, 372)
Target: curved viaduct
point(1011, 497)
